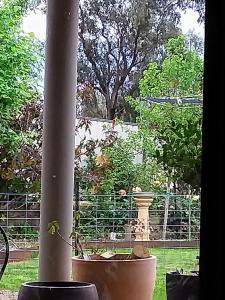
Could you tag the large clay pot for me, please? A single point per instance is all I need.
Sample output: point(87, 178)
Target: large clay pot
point(58, 291)
point(118, 279)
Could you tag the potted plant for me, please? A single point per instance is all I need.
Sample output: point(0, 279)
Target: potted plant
point(116, 276)
point(122, 276)
point(68, 290)
point(181, 285)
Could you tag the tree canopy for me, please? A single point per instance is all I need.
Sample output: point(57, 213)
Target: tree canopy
point(171, 133)
point(118, 39)
point(179, 75)
point(19, 58)
point(118, 48)
point(19, 74)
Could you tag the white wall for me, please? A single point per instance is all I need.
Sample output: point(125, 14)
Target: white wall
point(97, 131)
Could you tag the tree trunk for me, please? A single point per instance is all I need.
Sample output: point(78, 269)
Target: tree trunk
point(111, 105)
point(112, 113)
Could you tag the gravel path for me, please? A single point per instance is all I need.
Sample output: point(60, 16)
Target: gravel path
point(7, 295)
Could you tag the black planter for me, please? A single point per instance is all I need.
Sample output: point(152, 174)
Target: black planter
point(182, 287)
point(58, 291)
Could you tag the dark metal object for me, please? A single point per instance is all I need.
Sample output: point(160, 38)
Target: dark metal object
point(6, 250)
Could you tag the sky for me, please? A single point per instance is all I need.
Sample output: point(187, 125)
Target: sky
point(36, 23)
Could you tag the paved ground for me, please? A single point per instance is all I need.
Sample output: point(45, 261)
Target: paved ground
point(7, 295)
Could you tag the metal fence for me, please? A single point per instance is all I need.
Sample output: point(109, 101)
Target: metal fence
point(111, 218)
point(106, 222)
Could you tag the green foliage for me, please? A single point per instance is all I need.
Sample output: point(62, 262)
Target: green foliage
point(53, 227)
point(149, 176)
point(23, 229)
point(117, 168)
point(172, 133)
point(19, 66)
point(179, 75)
point(121, 174)
point(180, 147)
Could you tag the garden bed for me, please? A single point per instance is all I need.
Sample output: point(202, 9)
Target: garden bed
point(17, 255)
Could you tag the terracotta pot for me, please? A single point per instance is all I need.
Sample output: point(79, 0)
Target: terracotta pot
point(118, 279)
point(57, 291)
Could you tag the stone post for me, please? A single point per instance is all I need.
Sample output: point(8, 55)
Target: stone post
point(143, 202)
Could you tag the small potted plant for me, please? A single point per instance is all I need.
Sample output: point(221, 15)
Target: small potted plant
point(116, 276)
point(68, 290)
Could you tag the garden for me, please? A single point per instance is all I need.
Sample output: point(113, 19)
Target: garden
point(170, 259)
point(137, 179)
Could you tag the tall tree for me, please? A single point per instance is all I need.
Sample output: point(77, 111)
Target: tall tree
point(118, 39)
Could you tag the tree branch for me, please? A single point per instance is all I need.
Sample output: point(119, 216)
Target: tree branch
point(89, 55)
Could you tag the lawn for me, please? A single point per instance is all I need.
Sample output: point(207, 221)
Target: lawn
point(167, 260)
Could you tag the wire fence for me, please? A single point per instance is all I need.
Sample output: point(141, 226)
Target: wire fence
point(106, 218)
point(112, 217)
point(105, 222)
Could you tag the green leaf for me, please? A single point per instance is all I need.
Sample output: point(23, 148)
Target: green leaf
point(77, 215)
point(53, 227)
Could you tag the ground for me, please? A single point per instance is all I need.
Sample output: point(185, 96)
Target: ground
point(167, 260)
point(8, 295)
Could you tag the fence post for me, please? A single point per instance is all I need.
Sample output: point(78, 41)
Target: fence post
point(166, 212)
point(77, 210)
point(167, 202)
point(189, 219)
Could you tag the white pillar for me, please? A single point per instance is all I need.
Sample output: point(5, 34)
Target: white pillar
point(58, 139)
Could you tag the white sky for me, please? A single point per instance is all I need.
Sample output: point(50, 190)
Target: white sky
point(36, 23)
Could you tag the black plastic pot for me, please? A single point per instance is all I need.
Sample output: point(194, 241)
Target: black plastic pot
point(58, 291)
point(182, 287)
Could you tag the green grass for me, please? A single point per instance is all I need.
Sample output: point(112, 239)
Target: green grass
point(170, 260)
point(167, 260)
